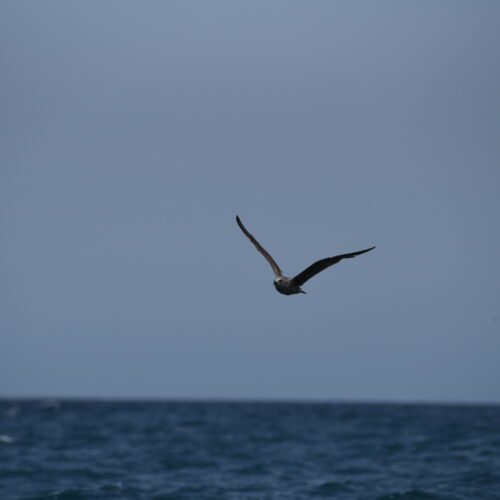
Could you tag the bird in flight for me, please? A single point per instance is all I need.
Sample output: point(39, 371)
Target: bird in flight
point(291, 286)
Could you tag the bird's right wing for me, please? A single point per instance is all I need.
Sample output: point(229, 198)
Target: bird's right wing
point(272, 263)
point(320, 265)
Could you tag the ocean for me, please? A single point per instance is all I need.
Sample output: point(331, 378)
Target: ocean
point(69, 449)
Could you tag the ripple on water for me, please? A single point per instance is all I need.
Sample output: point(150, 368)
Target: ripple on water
point(330, 488)
point(415, 495)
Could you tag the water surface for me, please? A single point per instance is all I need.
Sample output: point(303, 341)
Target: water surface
point(203, 450)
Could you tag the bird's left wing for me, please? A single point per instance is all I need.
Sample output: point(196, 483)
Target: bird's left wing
point(272, 263)
point(321, 265)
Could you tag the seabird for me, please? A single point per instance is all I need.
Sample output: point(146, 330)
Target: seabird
point(290, 286)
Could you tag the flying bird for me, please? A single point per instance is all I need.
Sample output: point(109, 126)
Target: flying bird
point(291, 286)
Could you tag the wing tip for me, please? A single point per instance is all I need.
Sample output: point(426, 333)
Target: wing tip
point(367, 250)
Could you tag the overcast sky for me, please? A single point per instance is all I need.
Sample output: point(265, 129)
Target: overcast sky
point(132, 133)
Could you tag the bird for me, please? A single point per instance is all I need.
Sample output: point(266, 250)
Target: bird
point(292, 286)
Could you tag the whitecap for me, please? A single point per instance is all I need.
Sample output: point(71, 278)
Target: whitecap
point(6, 439)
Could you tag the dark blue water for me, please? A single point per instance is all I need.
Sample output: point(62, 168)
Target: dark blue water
point(168, 450)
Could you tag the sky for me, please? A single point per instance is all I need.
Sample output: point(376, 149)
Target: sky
point(132, 133)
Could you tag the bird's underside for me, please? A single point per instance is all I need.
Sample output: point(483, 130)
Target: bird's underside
point(291, 286)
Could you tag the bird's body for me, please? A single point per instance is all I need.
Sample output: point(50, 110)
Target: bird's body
point(292, 286)
point(286, 286)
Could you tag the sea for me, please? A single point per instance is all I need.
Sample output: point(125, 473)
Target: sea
point(71, 449)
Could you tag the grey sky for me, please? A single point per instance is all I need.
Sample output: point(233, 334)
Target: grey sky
point(132, 133)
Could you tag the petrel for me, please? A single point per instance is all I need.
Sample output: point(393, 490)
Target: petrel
point(290, 286)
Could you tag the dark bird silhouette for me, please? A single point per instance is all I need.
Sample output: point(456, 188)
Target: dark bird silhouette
point(290, 286)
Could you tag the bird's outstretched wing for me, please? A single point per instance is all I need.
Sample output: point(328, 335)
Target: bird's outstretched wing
point(272, 263)
point(321, 265)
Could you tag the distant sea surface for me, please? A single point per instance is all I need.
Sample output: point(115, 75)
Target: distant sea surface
point(196, 450)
